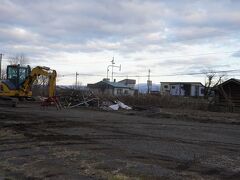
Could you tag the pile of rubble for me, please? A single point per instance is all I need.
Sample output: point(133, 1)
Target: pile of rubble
point(115, 105)
point(76, 98)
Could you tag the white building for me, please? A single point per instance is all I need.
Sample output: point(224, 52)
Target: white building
point(111, 88)
point(195, 89)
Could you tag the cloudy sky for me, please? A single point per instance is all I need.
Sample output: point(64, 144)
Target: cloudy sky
point(168, 37)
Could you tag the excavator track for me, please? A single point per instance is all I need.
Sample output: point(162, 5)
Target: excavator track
point(8, 101)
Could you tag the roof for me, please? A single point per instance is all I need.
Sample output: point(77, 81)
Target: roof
point(233, 80)
point(116, 84)
point(127, 81)
point(183, 83)
point(113, 84)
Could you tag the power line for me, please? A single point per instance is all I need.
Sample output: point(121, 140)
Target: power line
point(80, 74)
point(158, 75)
point(199, 73)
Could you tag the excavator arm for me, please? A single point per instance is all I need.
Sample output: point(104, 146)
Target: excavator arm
point(37, 71)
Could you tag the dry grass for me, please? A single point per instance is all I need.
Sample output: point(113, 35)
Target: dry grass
point(166, 101)
point(157, 100)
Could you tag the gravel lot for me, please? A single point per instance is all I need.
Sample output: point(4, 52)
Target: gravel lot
point(90, 144)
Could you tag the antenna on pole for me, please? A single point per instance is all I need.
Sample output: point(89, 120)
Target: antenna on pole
point(113, 66)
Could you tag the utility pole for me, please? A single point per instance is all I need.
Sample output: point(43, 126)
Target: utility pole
point(149, 82)
point(138, 84)
point(1, 55)
point(76, 83)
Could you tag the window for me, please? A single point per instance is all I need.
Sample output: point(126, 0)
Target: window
point(173, 87)
point(12, 72)
point(119, 91)
point(126, 92)
point(22, 75)
point(166, 86)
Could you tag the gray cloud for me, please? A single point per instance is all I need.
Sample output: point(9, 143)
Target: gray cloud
point(43, 27)
point(81, 21)
point(236, 54)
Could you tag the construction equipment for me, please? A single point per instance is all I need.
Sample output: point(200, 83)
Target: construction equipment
point(20, 80)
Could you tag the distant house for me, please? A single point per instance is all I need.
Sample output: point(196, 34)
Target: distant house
point(194, 89)
point(128, 82)
point(111, 88)
point(228, 92)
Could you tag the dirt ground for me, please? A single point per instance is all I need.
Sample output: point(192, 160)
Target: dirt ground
point(90, 144)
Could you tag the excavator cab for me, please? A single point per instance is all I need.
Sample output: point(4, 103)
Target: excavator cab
point(16, 75)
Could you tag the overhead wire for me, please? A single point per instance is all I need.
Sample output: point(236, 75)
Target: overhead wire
point(159, 75)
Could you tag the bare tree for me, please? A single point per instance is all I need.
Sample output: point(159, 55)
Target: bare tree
point(40, 86)
point(18, 59)
point(212, 80)
point(4, 74)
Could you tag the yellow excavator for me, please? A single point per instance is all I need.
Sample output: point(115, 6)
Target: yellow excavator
point(20, 79)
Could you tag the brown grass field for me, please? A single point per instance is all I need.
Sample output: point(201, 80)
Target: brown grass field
point(85, 143)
